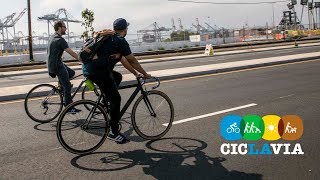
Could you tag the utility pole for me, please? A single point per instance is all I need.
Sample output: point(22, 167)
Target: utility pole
point(314, 23)
point(273, 15)
point(295, 19)
point(30, 32)
point(267, 31)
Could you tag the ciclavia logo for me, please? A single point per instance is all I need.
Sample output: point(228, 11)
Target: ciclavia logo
point(254, 128)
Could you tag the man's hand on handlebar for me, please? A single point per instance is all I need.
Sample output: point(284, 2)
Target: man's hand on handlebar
point(144, 76)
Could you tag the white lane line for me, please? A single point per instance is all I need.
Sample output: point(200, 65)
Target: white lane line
point(55, 148)
point(286, 96)
point(211, 114)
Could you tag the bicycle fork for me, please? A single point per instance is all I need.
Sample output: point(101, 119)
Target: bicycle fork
point(148, 104)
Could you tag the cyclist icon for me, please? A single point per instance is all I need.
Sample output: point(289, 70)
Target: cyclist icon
point(230, 127)
point(233, 128)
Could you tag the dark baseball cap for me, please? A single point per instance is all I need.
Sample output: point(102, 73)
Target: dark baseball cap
point(120, 24)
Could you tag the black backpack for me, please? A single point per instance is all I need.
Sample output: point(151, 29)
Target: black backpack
point(90, 48)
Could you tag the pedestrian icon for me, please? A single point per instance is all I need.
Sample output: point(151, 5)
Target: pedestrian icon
point(251, 129)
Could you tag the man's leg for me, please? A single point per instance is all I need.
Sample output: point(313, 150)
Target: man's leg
point(71, 72)
point(63, 77)
point(109, 88)
point(115, 102)
point(117, 77)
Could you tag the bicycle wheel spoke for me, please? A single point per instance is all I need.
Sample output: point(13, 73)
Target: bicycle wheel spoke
point(159, 105)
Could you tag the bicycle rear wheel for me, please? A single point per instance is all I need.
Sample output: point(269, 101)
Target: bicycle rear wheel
point(43, 103)
point(152, 126)
point(85, 131)
point(90, 95)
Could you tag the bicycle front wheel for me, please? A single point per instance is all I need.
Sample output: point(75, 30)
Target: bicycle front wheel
point(43, 103)
point(152, 115)
point(85, 131)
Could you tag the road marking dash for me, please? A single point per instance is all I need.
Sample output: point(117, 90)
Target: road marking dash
point(286, 96)
point(211, 114)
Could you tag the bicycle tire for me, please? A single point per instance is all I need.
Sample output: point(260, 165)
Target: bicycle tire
point(93, 132)
point(134, 119)
point(33, 94)
point(230, 130)
point(85, 91)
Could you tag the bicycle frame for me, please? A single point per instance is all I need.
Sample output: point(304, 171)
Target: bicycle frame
point(134, 94)
point(131, 98)
point(80, 85)
point(75, 92)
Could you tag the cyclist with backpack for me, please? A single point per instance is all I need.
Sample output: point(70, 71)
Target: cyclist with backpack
point(113, 49)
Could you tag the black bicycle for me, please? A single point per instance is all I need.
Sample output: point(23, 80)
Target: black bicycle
point(84, 132)
point(44, 102)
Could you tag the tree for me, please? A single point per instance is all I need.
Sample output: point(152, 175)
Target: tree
point(88, 17)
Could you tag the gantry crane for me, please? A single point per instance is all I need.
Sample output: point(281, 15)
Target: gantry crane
point(199, 28)
point(60, 14)
point(10, 22)
point(173, 25)
point(156, 32)
point(180, 24)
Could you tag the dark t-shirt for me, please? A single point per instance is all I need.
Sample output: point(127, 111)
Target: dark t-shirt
point(56, 46)
point(113, 45)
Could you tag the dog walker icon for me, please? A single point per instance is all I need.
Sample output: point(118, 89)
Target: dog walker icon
point(290, 129)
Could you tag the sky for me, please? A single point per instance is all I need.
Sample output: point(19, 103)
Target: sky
point(142, 13)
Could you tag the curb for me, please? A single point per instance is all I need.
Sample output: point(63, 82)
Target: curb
point(22, 96)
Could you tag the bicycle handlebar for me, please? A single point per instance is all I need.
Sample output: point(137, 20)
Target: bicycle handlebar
point(143, 81)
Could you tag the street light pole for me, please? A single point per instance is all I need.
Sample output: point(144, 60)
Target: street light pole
point(30, 31)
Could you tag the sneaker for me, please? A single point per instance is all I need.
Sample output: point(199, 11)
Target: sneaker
point(118, 138)
point(74, 111)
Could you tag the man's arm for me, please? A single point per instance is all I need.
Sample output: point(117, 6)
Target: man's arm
point(136, 65)
point(72, 53)
point(127, 65)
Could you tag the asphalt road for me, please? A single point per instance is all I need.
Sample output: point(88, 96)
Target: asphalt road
point(43, 77)
point(190, 150)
